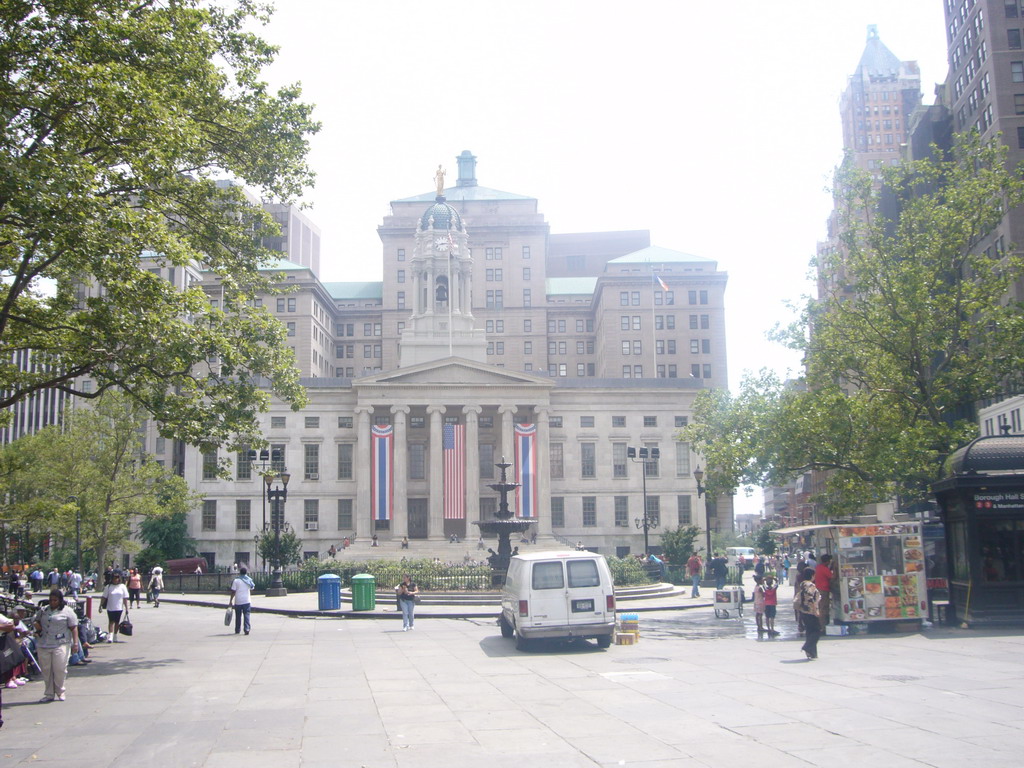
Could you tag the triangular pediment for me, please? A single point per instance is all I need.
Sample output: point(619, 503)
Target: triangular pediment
point(453, 370)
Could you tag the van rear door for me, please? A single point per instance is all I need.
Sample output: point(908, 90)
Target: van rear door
point(586, 598)
point(548, 594)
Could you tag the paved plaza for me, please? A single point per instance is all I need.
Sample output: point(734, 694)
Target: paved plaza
point(695, 691)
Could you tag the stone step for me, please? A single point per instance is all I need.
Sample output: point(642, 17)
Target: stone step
point(623, 594)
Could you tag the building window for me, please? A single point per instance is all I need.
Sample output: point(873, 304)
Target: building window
point(291, 328)
point(277, 458)
point(401, 299)
point(586, 422)
point(401, 276)
point(626, 347)
point(209, 515)
point(707, 371)
point(311, 461)
point(401, 254)
point(486, 453)
point(1017, 71)
point(527, 300)
point(555, 422)
point(589, 511)
point(693, 321)
point(344, 514)
point(619, 422)
point(278, 422)
point(703, 297)
point(291, 305)
point(311, 514)
point(243, 465)
point(682, 421)
point(312, 422)
point(654, 510)
point(345, 463)
point(682, 459)
point(653, 464)
point(624, 322)
point(650, 421)
point(691, 297)
point(527, 325)
point(526, 251)
point(619, 468)
point(280, 305)
point(344, 422)
point(210, 465)
point(558, 512)
point(526, 273)
point(588, 460)
point(243, 514)
point(684, 505)
point(627, 371)
point(634, 298)
point(557, 461)
point(622, 511)
point(623, 298)
point(417, 461)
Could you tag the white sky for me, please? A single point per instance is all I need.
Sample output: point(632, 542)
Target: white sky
point(712, 124)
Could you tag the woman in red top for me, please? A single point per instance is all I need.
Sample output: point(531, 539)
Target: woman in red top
point(134, 588)
point(823, 581)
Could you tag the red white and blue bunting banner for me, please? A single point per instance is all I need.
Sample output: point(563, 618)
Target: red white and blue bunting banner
point(382, 472)
point(526, 470)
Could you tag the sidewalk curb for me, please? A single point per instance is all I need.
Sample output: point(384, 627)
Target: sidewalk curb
point(300, 613)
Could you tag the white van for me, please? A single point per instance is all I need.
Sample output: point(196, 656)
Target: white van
point(733, 554)
point(558, 595)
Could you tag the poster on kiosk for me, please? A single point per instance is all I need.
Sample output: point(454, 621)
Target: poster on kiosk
point(880, 572)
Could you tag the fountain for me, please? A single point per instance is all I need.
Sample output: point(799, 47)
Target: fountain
point(503, 525)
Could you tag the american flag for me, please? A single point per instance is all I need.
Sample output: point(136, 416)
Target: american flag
point(453, 443)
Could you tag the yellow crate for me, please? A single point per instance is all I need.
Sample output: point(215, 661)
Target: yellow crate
point(626, 638)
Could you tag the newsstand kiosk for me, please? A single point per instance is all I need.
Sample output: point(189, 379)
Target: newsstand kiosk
point(982, 504)
point(879, 567)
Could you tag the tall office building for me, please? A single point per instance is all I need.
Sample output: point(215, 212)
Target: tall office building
point(986, 90)
point(488, 337)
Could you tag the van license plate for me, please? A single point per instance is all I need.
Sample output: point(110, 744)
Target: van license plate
point(579, 606)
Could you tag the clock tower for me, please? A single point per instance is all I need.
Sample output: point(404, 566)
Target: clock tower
point(442, 321)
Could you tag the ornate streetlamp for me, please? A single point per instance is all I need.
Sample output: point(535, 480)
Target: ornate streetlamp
point(698, 475)
point(277, 496)
point(645, 456)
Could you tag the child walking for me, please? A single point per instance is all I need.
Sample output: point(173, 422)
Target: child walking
point(759, 604)
point(771, 602)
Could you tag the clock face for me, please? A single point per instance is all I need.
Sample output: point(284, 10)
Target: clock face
point(441, 243)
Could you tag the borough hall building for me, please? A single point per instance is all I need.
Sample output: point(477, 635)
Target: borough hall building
point(489, 337)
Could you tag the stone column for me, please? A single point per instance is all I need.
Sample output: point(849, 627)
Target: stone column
point(508, 434)
point(400, 524)
point(472, 413)
point(363, 522)
point(435, 529)
point(543, 472)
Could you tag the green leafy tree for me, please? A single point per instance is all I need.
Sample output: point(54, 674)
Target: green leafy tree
point(764, 542)
point(909, 331)
point(91, 474)
point(166, 538)
point(119, 116)
point(680, 543)
point(291, 547)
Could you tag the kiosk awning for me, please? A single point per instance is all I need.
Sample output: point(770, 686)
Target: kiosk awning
point(801, 529)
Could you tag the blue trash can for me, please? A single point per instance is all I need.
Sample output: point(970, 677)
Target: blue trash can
point(329, 591)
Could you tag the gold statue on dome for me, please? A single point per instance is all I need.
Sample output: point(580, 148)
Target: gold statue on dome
point(439, 179)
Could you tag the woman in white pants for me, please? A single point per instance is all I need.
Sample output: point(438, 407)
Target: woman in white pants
point(57, 626)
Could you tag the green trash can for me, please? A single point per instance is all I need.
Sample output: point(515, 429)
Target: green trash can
point(364, 592)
